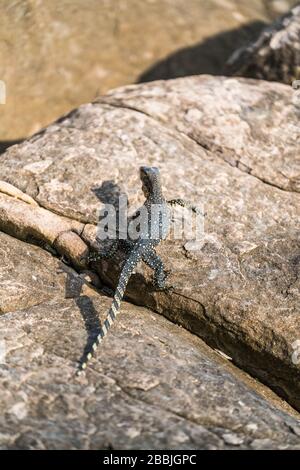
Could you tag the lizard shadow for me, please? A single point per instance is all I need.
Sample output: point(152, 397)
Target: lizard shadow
point(73, 290)
point(111, 194)
point(91, 321)
point(108, 193)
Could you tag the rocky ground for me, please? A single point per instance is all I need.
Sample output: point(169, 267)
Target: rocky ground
point(211, 364)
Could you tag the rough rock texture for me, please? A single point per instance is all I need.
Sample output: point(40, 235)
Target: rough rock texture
point(153, 385)
point(275, 55)
point(240, 289)
point(58, 54)
point(252, 125)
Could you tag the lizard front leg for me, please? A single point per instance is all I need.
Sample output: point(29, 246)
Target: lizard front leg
point(184, 203)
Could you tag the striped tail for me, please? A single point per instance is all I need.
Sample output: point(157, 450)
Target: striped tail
point(127, 270)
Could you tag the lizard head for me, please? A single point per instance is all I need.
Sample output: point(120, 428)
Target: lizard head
point(150, 178)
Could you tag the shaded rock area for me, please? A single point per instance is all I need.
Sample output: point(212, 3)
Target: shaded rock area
point(275, 55)
point(56, 55)
point(153, 385)
point(239, 288)
point(208, 56)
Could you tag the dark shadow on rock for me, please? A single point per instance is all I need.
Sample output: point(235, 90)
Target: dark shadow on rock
point(91, 321)
point(208, 57)
point(108, 193)
point(4, 144)
point(85, 304)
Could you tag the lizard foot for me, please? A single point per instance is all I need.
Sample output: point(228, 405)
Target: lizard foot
point(159, 282)
point(94, 257)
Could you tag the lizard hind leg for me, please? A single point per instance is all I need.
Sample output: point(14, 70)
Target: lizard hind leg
point(160, 274)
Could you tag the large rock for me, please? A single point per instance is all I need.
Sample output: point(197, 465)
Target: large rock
point(240, 289)
point(275, 55)
point(152, 385)
point(252, 125)
point(56, 55)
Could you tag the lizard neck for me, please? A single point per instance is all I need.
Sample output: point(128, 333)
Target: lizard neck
point(151, 185)
point(156, 197)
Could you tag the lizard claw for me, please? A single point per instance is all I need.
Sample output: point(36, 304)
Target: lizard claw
point(93, 257)
point(160, 284)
